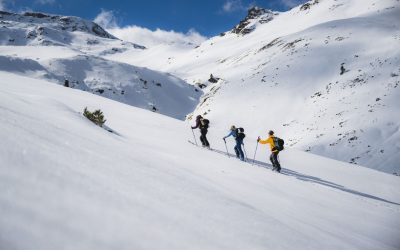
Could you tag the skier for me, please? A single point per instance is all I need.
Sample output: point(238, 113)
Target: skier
point(274, 150)
point(202, 124)
point(238, 134)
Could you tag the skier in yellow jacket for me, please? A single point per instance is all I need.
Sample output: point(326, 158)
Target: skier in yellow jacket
point(274, 151)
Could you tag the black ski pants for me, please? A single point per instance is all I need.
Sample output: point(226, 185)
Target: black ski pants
point(275, 162)
point(238, 149)
point(203, 137)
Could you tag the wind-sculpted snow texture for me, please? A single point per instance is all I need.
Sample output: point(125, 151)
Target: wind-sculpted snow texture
point(68, 184)
point(62, 48)
point(325, 76)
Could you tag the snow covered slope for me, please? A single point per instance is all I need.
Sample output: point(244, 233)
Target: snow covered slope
point(62, 48)
point(325, 76)
point(68, 184)
point(42, 29)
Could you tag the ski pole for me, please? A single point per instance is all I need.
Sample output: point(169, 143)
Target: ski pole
point(254, 158)
point(226, 149)
point(194, 137)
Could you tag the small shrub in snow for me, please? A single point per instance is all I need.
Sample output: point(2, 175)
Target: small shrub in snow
point(96, 117)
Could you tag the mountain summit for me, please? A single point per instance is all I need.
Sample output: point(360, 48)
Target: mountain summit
point(255, 16)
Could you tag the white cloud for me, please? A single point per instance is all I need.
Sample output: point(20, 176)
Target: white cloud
point(106, 19)
point(233, 5)
point(149, 38)
point(144, 36)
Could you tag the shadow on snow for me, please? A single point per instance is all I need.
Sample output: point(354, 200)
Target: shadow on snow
point(309, 178)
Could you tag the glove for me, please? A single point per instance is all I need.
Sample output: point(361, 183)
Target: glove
point(223, 139)
point(258, 139)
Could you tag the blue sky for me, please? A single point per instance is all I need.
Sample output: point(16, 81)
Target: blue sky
point(208, 17)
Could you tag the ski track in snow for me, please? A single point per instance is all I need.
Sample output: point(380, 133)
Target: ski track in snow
point(313, 180)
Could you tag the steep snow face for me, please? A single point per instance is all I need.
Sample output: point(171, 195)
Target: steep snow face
point(68, 184)
point(61, 48)
point(324, 76)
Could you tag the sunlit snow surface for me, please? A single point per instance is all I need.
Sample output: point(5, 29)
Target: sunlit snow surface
point(68, 184)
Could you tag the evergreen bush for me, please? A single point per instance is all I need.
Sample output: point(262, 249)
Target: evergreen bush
point(96, 117)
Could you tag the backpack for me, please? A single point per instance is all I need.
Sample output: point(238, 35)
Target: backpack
point(204, 123)
point(240, 133)
point(279, 143)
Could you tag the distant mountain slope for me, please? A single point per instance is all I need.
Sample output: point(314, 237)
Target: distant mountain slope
point(60, 48)
point(324, 76)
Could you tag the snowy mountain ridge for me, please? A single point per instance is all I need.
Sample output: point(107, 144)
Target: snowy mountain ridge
point(65, 48)
point(41, 24)
point(313, 74)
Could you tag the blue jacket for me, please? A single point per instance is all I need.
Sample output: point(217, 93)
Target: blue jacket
point(234, 134)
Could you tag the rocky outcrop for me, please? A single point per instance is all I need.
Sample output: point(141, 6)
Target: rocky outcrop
point(308, 5)
point(254, 15)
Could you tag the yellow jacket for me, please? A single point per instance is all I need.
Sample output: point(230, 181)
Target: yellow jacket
point(269, 141)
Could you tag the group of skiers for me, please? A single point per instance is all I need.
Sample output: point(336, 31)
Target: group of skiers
point(275, 143)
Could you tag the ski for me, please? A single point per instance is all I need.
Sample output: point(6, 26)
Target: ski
point(194, 144)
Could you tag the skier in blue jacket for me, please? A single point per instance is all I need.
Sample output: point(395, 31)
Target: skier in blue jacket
point(238, 134)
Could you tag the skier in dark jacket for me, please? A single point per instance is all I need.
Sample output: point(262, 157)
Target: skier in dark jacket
point(202, 124)
point(239, 142)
